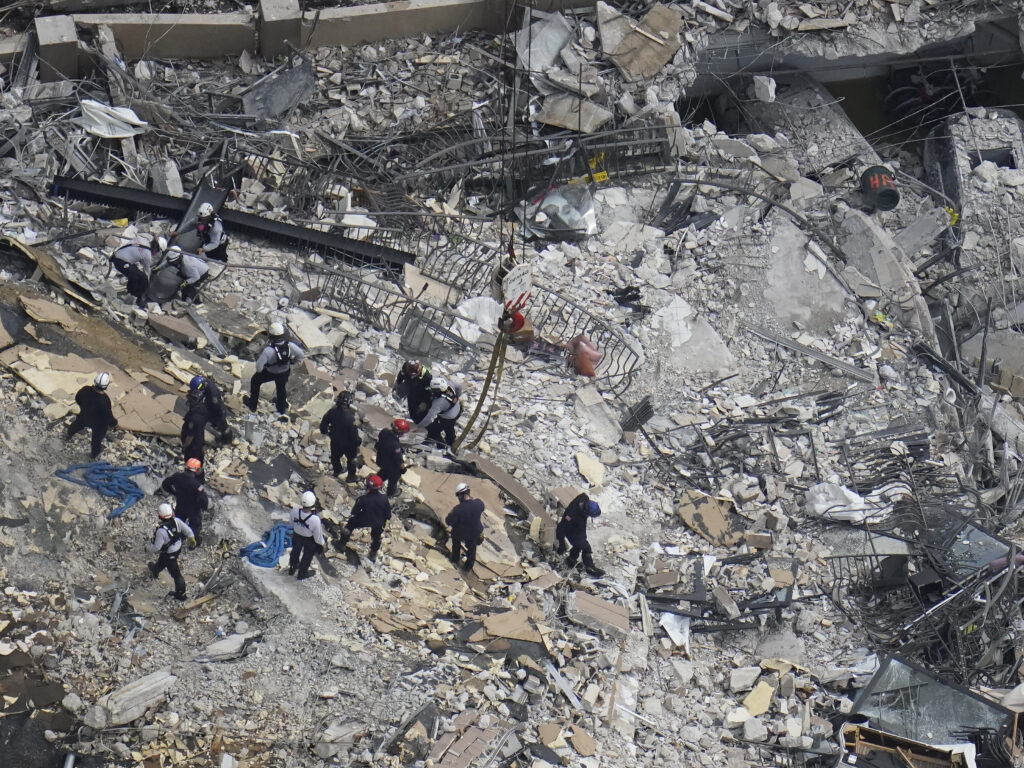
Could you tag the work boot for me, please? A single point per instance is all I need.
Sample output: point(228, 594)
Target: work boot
point(291, 570)
point(249, 403)
point(306, 575)
point(372, 556)
point(152, 570)
point(560, 549)
point(179, 596)
point(594, 571)
point(352, 477)
point(341, 540)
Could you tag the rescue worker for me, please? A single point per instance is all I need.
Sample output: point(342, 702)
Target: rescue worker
point(444, 411)
point(274, 364)
point(205, 392)
point(167, 540)
point(413, 383)
point(307, 537)
point(211, 233)
point(193, 270)
point(390, 456)
point(193, 433)
point(372, 510)
point(190, 499)
point(94, 412)
point(339, 424)
point(573, 526)
point(467, 530)
point(135, 261)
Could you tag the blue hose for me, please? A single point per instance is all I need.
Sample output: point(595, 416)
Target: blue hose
point(113, 482)
point(267, 552)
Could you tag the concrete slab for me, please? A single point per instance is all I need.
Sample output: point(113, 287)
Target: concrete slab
point(386, 21)
point(280, 23)
point(177, 35)
point(58, 48)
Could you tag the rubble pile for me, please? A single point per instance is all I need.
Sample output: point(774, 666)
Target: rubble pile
point(794, 407)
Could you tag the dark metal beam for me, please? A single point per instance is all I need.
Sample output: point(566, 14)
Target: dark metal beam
point(174, 208)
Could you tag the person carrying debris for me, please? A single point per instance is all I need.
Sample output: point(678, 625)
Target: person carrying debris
point(94, 412)
point(413, 383)
point(467, 530)
point(274, 364)
point(372, 510)
point(307, 537)
point(167, 540)
point(211, 233)
point(573, 526)
point(190, 499)
point(193, 433)
point(135, 261)
point(444, 411)
point(191, 269)
point(339, 424)
point(390, 456)
point(205, 392)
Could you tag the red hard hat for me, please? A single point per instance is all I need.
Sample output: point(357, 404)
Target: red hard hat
point(373, 482)
point(401, 426)
point(194, 464)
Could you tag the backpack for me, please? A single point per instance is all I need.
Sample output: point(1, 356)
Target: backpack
point(283, 352)
point(171, 526)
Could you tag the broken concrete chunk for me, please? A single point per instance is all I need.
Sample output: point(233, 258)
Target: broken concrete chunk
point(743, 678)
point(230, 647)
point(130, 702)
point(598, 614)
point(597, 421)
point(764, 87)
point(725, 602)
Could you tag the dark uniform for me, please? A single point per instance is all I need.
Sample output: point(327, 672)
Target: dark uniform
point(390, 459)
point(95, 413)
point(573, 526)
point(190, 499)
point(372, 510)
point(416, 390)
point(167, 540)
point(467, 530)
point(210, 398)
point(339, 424)
point(193, 434)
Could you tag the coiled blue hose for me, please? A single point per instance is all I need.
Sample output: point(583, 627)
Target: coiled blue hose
point(267, 552)
point(109, 480)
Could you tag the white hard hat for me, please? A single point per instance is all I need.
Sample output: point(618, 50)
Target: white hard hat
point(441, 384)
point(102, 380)
point(162, 243)
point(276, 329)
point(166, 511)
point(173, 253)
point(461, 488)
point(206, 209)
point(308, 499)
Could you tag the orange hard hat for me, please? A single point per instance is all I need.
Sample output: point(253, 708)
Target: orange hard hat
point(194, 464)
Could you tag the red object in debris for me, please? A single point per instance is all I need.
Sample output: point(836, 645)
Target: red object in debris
point(584, 356)
point(518, 321)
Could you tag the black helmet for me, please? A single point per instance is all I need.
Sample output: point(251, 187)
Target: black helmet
point(344, 399)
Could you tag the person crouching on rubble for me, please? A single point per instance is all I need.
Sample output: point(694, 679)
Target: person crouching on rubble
point(372, 510)
point(205, 392)
point(135, 261)
point(191, 269)
point(167, 540)
point(211, 233)
point(573, 526)
point(444, 412)
point(94, 412)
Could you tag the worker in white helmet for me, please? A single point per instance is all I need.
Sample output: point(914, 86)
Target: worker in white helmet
point(307, 537)
point(167, 540)
point(467, 528)
point(134, 261)
point(274, 364)
point(94, 412)
point(192, 270)
point(211, 234)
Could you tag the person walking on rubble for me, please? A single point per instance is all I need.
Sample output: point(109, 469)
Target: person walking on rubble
point(413, 383)
point(467, 529)
point(274, 364)
point(211, 233)
point(94, 412)
point(191, 269)
point(372, 510)
point(135, 261)
point(205, 392)
point(444, 411)
point(190, 499)
point(573, 526)
point(390, 456)
point(167, 540)
point(339, 424)
point(193, 433)
point(307, 537)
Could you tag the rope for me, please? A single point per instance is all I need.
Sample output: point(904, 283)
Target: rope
point(108, 480)
point(267, 552)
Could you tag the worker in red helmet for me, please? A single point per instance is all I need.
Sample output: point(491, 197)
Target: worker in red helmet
point(390, 456)
point(372, 510)
point(190, 499)
point(413, 383)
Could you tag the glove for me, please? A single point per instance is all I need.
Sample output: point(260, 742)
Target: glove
point(192, 544)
